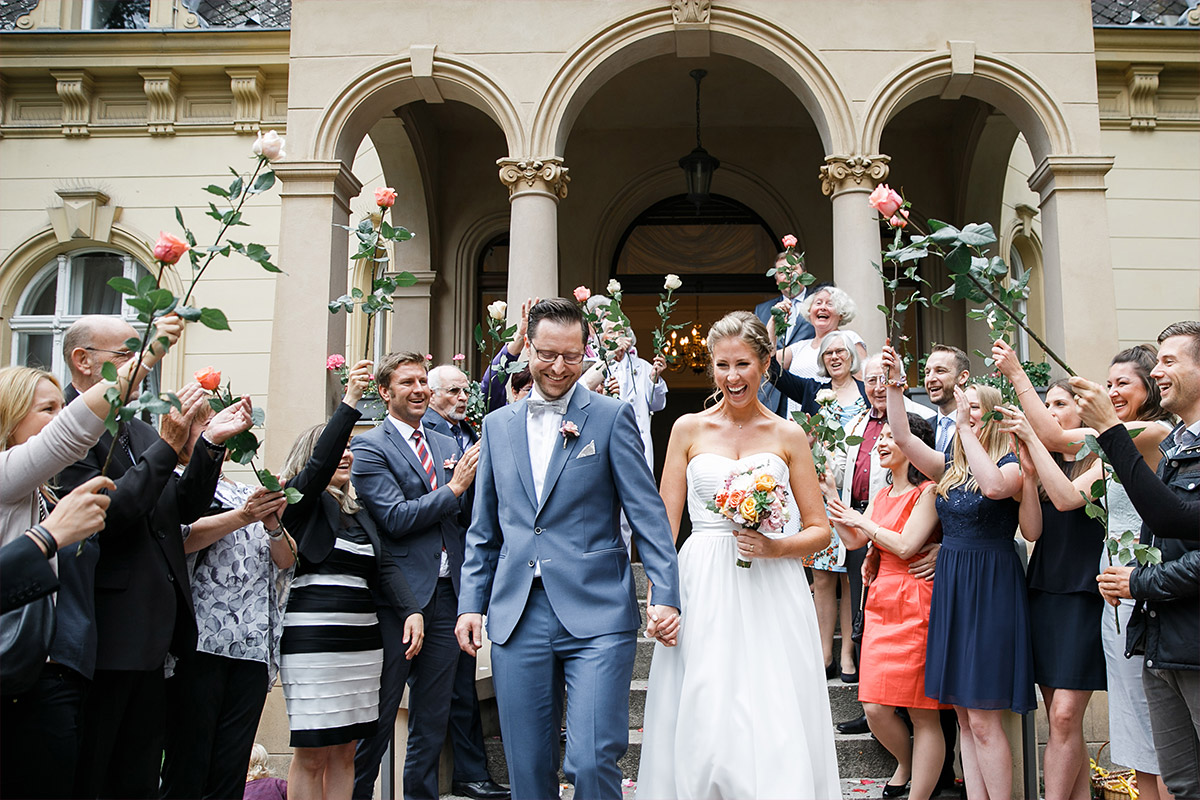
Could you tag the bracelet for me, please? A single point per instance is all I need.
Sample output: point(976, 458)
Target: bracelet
point(48, 542)
point(899, 383)
point(215, 449)
point(275, 534)
point(1023, 391)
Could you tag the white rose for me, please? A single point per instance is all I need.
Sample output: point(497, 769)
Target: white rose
point(672, 282)
point(614, 286)
point(826, 396)
point(269, 146)
point(497, 310)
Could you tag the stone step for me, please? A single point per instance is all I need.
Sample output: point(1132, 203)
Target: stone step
point(642, 658)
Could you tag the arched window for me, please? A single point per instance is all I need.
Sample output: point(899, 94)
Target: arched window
point(68, 287)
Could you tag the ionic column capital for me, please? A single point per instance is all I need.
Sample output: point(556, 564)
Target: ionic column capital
point(546, 176)
point(842, 173)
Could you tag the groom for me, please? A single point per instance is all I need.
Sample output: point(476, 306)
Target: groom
point(546, 563)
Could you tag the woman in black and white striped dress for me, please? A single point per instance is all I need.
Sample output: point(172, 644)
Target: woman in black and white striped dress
point(332, 650)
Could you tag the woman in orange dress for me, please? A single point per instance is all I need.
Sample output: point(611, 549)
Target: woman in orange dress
point(899, 521)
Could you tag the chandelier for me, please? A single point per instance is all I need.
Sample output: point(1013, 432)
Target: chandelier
point(689, 351)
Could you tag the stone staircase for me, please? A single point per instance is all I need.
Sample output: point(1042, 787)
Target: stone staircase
point(859, 756)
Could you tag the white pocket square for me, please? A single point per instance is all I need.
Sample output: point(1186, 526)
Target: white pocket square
point(588, 450)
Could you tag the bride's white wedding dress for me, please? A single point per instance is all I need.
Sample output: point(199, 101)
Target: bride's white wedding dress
point(739, 708)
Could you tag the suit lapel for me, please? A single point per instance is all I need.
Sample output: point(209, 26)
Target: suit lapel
point(518, 441)
point(407, 452)
point(577, 413)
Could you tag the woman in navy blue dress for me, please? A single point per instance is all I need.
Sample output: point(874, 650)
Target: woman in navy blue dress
point(979, 656)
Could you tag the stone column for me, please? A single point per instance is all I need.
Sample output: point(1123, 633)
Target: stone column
point(1079, 294)
point(849, 181)
point(410, 316)
point(315, 196)
point(534, 186)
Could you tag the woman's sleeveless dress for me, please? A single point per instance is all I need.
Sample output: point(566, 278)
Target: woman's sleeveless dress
point(738, 709)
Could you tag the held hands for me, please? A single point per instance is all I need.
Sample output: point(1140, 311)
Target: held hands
point(663, 624)
point(1114, 584)
point(356, 382)
point(464, 471)
point(81, 513)
point(414, 634)
point(870, 565)
point(1095, 406)
point(469, 631)
point(262, 506)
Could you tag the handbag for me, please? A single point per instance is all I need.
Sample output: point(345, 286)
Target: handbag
point(26, 634)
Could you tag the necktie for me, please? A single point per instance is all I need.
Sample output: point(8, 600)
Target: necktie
point(460, 434)
point(538, 405)
point(943, 433)
point(426, 459)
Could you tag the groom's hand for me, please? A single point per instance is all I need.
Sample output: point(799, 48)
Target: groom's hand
point(469, 631)
point(663, 624)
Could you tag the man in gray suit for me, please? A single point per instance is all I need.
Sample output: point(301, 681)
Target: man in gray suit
point(546, 563)
point(414, 483)
point(798, 328)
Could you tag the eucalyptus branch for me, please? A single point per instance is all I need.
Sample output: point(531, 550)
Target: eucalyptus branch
point(228, 221)
point(1017, 319)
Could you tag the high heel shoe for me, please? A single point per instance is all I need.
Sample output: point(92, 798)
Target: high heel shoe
point(895, 791)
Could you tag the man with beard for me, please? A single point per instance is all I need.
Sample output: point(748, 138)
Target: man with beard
point(945, 368)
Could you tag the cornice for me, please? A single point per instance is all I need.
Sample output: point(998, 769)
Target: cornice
point(1122, 46)
point(111, 51)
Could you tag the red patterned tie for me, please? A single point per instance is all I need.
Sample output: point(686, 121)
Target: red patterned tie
point(426, 459)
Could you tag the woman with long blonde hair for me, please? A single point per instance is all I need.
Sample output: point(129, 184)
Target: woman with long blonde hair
point(979, 655)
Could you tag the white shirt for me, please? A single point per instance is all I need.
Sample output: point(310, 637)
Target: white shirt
point(542, 432)
point(407, 432)
point(937, 427)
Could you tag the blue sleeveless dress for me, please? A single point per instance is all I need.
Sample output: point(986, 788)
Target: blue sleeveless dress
point(979, 653)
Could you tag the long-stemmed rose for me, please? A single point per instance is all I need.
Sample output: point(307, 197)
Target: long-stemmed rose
point(828, 435)
point(666, 304)
point(488, 341)
point(373, 233)
point(795, 278)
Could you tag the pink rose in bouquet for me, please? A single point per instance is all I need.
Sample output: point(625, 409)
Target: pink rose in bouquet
point(752, 499)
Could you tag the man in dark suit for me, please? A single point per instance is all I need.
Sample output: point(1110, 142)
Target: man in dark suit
point(449, 388)
point(143, 599)
point(798, 328)
point(413, 483)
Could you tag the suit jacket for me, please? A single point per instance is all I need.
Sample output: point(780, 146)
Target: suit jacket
point(415, 522)
point(843, 469)
point(769, 394)
point(574, 531)
point(314, 521)
point(436, 422)
point(143, 594)
point(25, 574)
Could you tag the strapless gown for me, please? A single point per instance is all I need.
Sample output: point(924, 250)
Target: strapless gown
point(739, 709)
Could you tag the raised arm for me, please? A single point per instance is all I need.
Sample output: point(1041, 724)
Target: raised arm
point(929, 460)
point(1063, 492)
point(995, 482)
point(1041, 420)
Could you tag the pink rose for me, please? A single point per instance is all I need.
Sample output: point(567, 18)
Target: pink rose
point(385, 197)
point(582, 293)
point(900, 219)
point(459, 357)
point(168, 249)
point(885, 200)
point(429, 356)
point(789, 241)
point(335, 361)
point(208, 378)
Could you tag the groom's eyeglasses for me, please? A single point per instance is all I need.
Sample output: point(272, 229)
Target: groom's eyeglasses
point(547, 357)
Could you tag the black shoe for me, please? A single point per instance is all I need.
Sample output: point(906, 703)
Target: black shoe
point(894, 791)
point(831, 669)
point(850, 677)
point(855, 725)
point(480, 790)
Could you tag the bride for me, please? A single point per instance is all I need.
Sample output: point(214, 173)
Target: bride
point(739, 709)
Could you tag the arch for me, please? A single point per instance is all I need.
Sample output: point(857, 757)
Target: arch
point(375, 92)
point(1002, 83)
point(463, 278)
point(650, 187)
point(734, 32)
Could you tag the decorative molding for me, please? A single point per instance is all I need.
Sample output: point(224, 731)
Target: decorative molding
point(1142, 80)
point(841, 173)
point(318, 179)
point(74, 88)
point(962, 67)
point(247, 87)
point(691, 12)
point(1070, 173)
point(3, 104)
point(544, 175)
point(422, 70)
point(84, 214)
point(162, 89)
point(1025, 215)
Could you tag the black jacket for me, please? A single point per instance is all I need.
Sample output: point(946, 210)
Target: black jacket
point(314, 521)
point(803, 390)
point(1167, 615)
point(25, 573)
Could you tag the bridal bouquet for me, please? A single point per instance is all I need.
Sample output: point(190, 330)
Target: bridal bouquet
point(753, 499)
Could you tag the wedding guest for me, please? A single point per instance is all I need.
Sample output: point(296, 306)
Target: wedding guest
point(332, 648)
point(946, 367)
point(828, 308)
point(978, 662)
point(1136, 400)
point(1164, 622)
point(520, 385)
point(496, 376)
point(260, 785)
point(449, 390)
point(240, 559)
point(899, 521)
point(1064, 602)
point(792, 293)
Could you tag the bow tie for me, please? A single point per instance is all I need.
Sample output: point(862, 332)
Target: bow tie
point(537, 405)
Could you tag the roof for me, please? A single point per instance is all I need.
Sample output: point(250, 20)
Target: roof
point(211, 13)
point(1140, 13)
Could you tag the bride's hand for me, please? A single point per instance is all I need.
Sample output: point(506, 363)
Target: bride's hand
point(663, 624)
point(752, 544)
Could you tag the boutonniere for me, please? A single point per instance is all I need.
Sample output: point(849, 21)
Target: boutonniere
point(450, 463)
point(569, 431)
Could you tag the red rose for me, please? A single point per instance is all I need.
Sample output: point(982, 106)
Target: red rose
point(208, 378)
point(168, 249)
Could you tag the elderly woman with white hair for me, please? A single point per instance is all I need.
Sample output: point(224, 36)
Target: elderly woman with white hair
point(828, 309)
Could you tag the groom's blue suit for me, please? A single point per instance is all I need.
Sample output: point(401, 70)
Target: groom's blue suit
point(579, 621)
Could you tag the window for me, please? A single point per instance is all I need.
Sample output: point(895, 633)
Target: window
point(116, 14)
point(71, 285)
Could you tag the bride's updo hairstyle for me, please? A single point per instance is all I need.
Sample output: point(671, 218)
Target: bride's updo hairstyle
point(739, 325)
